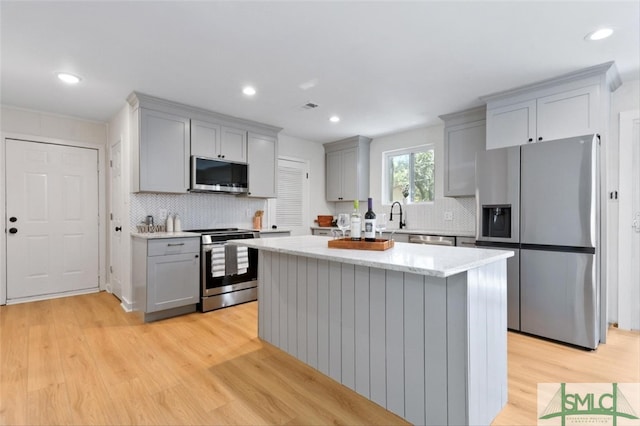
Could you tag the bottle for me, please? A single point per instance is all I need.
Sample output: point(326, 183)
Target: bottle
point(169, 224)
point(177, 225)
point(356, 222)
point(370, 222)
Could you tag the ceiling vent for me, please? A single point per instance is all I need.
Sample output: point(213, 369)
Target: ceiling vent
point(310, 105)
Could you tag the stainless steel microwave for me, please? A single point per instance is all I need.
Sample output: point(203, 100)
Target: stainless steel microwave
point(215, 175)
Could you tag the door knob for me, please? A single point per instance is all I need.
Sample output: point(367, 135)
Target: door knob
point(13, 230)
point(118, 228)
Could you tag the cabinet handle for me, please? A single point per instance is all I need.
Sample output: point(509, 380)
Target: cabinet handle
point(13, 230)
point(530, 139)
point(13, 219)
point(223, 156)
point(175, 244)
point(197, 256)
point(118, 228)
point(540, 138)
point(219, 155)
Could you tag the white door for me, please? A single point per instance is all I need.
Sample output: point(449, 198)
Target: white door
point(116, 246)
point(292, 208)
point(52, 219)
point(629, 223)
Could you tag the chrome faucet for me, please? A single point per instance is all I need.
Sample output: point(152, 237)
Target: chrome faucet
point(391, 214)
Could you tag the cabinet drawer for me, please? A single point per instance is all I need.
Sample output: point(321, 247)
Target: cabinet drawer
point(164, 246)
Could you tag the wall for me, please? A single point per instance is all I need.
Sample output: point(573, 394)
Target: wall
point(46, 127)
point(35, 123)
point(626, 98)
point(427, 216)
point(197, 211)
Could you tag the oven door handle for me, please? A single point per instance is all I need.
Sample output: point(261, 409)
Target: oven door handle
point(209, 246)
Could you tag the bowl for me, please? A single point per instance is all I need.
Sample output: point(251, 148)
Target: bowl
point(324, 220)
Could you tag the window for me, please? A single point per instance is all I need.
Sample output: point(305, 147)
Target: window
point(410, 171)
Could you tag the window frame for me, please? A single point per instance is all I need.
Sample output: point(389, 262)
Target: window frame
point(386, 172)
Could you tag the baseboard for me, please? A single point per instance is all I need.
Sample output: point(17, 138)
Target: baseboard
point(52, 296)
point(126, 305)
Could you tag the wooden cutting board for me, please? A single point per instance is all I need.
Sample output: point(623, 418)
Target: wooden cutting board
point(347, 243)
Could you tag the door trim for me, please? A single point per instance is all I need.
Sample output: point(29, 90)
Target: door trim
point(624, 299)
point(102, 227)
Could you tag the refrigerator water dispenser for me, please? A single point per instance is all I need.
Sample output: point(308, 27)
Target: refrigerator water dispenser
point(496, 221)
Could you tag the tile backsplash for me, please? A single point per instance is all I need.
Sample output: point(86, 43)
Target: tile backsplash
point(197, 211)
point(428, 216)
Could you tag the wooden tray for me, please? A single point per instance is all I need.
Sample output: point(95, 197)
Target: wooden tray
point(347, 243)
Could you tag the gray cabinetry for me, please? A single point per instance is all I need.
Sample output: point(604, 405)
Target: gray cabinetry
point(464, 136)
point(165, 134)
point(233, 144)
point(574, 104)
point(347, 169)
point(205, 139)
point(166, 275)
point(163, 152)
point(561, 115)
point(263, 166)
point(213, 140)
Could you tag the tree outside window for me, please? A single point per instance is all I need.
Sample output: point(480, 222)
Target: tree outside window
point(410, 173)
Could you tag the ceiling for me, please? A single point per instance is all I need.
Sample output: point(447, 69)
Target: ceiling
point(382, 67)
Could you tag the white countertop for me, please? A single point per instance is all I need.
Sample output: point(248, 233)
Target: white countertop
point(417, 231)
point(157, 235)
point(439, 261)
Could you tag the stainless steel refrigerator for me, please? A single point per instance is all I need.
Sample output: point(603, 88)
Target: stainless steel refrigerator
point(547, 194)
point(559, 294)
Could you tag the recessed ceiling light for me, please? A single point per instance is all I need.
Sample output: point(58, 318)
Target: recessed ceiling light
point(249, 91)
point(334, 119)
point(599, 34)
point(69, 78)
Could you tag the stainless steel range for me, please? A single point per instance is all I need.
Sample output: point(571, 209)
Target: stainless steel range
point(228, 274)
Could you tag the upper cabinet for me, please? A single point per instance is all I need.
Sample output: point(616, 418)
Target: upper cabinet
point(347, 169)
point(233, 144)
point(216, 141)
point(162, 154)
point(263, 166)
point(164, 135)
point(557, 116)
point(464, 136)
point(571, 105)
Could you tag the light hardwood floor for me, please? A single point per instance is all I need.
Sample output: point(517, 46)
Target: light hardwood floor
point(82, 360)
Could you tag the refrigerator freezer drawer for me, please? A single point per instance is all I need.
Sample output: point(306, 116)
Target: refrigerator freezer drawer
point(559, 297)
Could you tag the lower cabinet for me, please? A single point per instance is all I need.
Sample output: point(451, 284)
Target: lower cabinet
point(166, 274)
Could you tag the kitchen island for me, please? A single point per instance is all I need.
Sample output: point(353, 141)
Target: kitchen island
point(418, 329)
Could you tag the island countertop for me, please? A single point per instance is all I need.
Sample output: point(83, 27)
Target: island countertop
point(438, 261)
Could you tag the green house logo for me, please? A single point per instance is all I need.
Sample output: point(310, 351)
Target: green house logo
point(588, 403)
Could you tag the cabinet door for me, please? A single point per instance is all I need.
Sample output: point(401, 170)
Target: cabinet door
point(233, 144)
point(263, 162)
point(164, 152)
point(172, 281)
point(511, 125)
point(350, 182)
point(460, 147)
point(333, 172)
point(567, 114)
point(205, 139)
